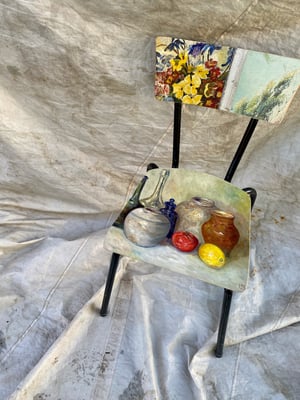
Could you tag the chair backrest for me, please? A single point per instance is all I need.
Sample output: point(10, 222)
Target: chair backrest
point(258, 85)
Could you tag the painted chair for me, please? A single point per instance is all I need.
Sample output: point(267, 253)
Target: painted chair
point(198, 73)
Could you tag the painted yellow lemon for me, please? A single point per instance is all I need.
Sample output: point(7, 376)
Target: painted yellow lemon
point(212, 255)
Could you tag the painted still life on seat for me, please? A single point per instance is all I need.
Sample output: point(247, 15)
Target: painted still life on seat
point(255, 84)
point(189, 222)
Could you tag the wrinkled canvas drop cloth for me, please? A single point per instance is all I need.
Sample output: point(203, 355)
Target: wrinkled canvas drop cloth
point(78, 126)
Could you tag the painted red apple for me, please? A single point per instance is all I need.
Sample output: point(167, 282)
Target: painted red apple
point(184, 241)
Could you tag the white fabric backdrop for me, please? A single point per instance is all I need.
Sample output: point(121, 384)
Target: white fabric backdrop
point(78, 126)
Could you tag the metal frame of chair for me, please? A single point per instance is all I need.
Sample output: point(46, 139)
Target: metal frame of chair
point(227, 297)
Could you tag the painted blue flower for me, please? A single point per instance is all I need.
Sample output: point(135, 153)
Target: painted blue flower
point(175, 45)
point(162, 61)
point(231, 52)
point(201, 48)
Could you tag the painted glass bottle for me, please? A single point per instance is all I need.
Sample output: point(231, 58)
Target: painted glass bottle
point(155, 201)
point(133, 202)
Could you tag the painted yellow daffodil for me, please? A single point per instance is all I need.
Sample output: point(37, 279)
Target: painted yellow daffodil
point(201, 71)
point(179, 62)
point(192, 99)
point(191, 84)
point(178, 89)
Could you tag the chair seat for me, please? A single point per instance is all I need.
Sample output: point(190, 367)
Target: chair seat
point(181, 185)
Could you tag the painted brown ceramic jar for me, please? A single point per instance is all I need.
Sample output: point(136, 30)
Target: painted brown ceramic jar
point(221, 231)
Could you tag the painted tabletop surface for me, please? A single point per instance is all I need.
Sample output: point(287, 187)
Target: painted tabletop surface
point(183, 185)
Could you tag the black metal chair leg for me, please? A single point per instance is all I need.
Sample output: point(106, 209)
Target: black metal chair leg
point(109, 283)
point(241, 149)
point(176, 134)
point(223, 322)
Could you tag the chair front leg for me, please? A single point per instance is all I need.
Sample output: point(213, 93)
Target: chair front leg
point(223, 322)
point(109, 283)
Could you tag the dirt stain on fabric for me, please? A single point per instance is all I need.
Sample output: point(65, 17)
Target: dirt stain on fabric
point(134, 390)
point(13, 70)
point(41, 396)
point(2, 341)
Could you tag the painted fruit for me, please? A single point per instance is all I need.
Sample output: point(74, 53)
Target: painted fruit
point(212, 255)
point(184, 241)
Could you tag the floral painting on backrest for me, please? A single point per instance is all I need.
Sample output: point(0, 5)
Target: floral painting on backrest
point(259, 85)
point(191, 72)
